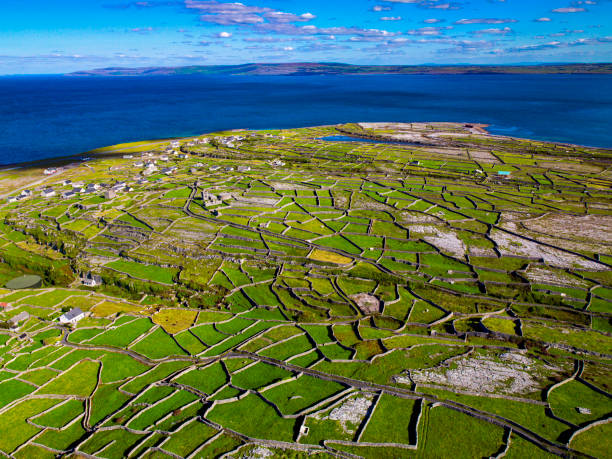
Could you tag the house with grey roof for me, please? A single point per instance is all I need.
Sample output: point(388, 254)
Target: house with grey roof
point(21, 317)
point(72, 316)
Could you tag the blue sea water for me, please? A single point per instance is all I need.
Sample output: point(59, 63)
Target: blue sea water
point(51, 116)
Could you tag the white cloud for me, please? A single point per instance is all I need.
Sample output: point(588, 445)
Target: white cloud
point(569, 10)
point(485, 21)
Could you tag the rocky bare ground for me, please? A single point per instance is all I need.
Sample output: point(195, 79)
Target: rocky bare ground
point(351, 412)
point(510, 373)
point(445, 240)
point(368, 303)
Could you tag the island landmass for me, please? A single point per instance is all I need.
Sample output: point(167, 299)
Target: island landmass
point(316, 68)
point(357, 290)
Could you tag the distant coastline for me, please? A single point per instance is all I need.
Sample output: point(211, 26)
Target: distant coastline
point(317, 68)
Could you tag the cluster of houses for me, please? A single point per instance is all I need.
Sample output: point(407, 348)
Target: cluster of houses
point(45, 193)
point(216, 167)
point(169, 170)
point(79, 188)
point(202, 141)
point(23, 195)
point(172, 152)
point(229, 141)
point(276, 163)
point(150, 168)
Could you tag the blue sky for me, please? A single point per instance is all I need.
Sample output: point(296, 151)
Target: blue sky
point(57, 36)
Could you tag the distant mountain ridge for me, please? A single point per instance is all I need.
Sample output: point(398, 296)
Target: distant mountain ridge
point(317, 68)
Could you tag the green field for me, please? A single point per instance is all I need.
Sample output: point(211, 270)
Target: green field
point(383, 300)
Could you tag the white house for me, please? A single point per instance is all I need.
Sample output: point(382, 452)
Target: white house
point(11, 199)
point(47, 192)
point(175, 144)
point(150, 170)
point(163, 158)
point(128, 156)
point(72, 316)
point(50, 171)
point(244, 168)
point(91, 280)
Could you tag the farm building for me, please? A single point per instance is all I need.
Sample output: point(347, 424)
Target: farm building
point(21, 317)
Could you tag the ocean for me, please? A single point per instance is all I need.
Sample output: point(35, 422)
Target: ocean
point(51, 116)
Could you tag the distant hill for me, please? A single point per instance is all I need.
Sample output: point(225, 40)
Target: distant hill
point(313, 68)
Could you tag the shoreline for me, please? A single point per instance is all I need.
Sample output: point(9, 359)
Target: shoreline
point(77, 158)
